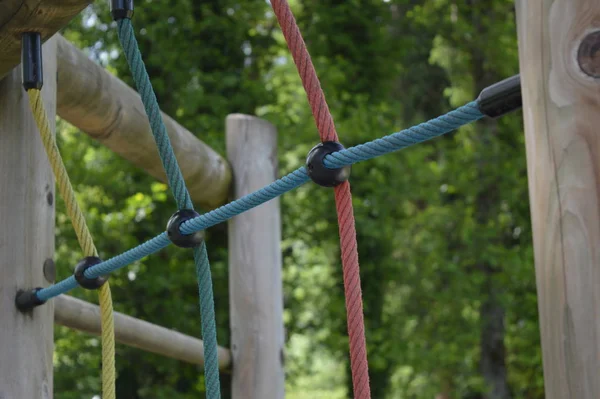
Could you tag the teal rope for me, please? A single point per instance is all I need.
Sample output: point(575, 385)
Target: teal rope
point(203, 222)
point(183, 199)
point(394, 142)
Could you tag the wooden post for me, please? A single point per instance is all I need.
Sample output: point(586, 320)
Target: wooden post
point(559, 47)
point(26, 237)
point(255, 287)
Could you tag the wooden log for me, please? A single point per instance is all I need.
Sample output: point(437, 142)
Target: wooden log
point(83, 316)
point(559, 47)
point(255, 287)
point(26, 236)
point(111, 112)
point(44, 16)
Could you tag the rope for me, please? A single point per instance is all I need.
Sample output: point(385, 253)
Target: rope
point(183, 199)
point(281, 186)
point(83, 236)
point(417, 134)
point(212, 218)
point(343, 200)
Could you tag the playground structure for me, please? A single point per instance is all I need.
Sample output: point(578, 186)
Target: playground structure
point(561, 83)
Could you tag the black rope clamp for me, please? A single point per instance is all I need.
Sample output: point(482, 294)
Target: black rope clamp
point(317, 170)
point(175, 235)
point(27, 300)
point(121, 9)
point(31, 61)
point(82, 280)
point(501, 98)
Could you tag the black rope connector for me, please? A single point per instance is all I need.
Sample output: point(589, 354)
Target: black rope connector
point(82, 280)
point(121, 9)
point(27, 300)
point(501, 98)
point(31, 61)
point(318, 172)
point(175, 235)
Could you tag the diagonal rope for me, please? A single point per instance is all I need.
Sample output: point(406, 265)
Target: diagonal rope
point(83, 236)
point(182, 197)
point(343, 201)
point(393, 142)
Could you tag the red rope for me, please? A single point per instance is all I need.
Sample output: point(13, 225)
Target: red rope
point(343, 201)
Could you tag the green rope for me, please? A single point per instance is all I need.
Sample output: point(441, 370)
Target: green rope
point(182, 197)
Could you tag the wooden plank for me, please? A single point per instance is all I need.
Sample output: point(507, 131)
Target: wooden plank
point(561, 106)
point(83, 316)
point(255, 287)
point(111, 112)
point(26, 237)
point(44, 16)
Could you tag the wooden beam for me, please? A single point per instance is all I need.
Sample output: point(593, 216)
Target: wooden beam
point(255, 287)
point(44, 16)
point(559, 48)
point(83, 316)
point(111, 112)
point(26, 236)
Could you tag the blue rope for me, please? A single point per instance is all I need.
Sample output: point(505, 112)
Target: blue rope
point(396, 141)
point(219, 215)
point(183, 199)
point(141, 251)
point(417, 134)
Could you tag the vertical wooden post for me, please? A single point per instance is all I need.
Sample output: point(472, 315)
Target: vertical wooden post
point(26, 237)
point(559, 48)
point(255, 287)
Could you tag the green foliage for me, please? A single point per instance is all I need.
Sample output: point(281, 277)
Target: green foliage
point(443, 228)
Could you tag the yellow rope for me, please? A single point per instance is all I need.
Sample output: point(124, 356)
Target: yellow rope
point(85, 240)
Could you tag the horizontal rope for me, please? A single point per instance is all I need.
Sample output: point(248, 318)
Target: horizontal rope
point(394, 142)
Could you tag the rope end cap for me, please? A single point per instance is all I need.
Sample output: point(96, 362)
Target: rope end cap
point(501, 98)
point(121, 9)
point(26, 300)
point(31, 61)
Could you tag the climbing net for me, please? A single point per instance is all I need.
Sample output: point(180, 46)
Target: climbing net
point(328, 165)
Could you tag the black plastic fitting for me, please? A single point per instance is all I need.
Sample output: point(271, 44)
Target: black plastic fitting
point(31, 61)
point(501, 98)
point(82, 280)
point(318, 172)
point(120, 9)
point(175, 235)
point(27, 300)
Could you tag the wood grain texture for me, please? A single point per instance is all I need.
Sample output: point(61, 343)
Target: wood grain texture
point(26, 237)
point(255, 286)
point(111, 112)
point(561, 106)
point(44, 16)
point(83, 316)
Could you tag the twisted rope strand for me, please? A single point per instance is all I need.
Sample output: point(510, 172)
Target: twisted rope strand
point(343, 200)
point(183, 199)
point(225, 212)
point(84, 238)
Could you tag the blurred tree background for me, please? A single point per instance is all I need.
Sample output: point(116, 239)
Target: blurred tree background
point(443, 228)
